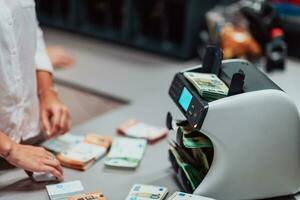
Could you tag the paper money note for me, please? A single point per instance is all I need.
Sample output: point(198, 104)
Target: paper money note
point(81, 156)
point(185, 196)
point(83, 152)
point(89, 196)
point(100, 140)
point(43, 177)
point(201, 159)
point(147, 192)
point(196, 142)
point(62, 191)
point(193, 138)
point(193, 175)
point(126, 152)
point(62, 143)
point(71, 138)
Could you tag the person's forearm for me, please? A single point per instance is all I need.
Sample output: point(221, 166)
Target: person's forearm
point(5, 145)
point(45, 82)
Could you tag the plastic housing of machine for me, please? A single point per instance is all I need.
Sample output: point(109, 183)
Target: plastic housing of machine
point(255, 135)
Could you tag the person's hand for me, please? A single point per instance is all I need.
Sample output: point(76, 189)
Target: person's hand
point(55, 115)
point(34, 159)
point(60, 57)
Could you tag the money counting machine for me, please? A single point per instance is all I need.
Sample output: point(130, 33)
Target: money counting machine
point(254, 132)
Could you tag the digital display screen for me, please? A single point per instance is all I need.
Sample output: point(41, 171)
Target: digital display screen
point(185, 99)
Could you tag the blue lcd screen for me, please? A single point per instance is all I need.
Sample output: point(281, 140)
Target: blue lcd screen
point(185, 99)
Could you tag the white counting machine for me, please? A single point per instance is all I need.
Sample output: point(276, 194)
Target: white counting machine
point(255, 131)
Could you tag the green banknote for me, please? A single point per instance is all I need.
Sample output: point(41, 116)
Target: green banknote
point(196, 157)
point(193, 175)
point(194, 139)
point(209, 86)
point(201, 159)
point(186, 155)
point(200, 141)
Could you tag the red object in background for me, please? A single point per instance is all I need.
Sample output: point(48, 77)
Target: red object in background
point(276, 32)
point(294, 2)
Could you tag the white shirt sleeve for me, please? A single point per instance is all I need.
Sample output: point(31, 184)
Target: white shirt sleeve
point(42, 60)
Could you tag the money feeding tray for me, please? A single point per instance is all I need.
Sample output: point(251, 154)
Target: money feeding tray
point(242, 145)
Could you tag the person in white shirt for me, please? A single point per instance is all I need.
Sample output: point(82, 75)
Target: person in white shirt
point(28, 100)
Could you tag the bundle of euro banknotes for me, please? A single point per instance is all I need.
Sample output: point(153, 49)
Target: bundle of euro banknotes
point(147, 192)
point(64, 190)
point(209, 86)
point(191, 156)
point(135, 129)
point(126, 152)
point(79, 152)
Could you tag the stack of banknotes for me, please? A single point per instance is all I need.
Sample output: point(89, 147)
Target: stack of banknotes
point(89, 196)
point(192, 156)
point(136, 129)
point(79, 152)
point(147, 192)
point(64, 190)
point(126, 152)
point(209, 86)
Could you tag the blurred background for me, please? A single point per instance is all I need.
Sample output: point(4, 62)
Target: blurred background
point(96, 43)
point(167, 27)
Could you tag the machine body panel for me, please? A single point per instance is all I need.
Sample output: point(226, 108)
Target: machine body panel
point(256, 139)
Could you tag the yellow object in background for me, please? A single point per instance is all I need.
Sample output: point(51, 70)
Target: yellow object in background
point(238, 43)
